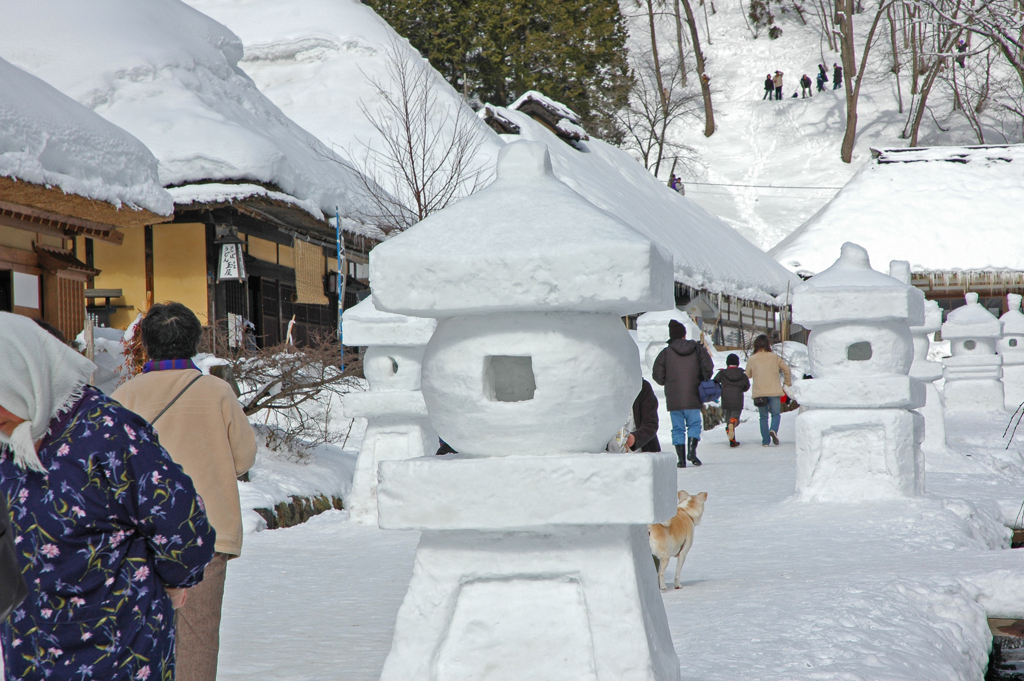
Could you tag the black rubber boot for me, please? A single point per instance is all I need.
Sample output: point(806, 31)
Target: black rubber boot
point(692, 456)
point(681, 455)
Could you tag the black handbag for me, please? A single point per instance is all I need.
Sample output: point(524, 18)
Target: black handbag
point(12, 586)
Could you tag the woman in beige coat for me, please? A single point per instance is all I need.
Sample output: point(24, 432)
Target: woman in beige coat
point(764, 369)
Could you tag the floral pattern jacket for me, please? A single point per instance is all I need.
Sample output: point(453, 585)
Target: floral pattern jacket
point(99, 536)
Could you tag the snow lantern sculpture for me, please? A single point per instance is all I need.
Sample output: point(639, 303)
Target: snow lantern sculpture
point(924, 370)
point(533, 561)
point(397, 426)
point(857, 437)
point(652, 328)
point(1011, 348)
point(974, 371)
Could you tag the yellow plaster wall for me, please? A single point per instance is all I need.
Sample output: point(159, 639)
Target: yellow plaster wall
point(16, 238)
point(285, 256)
point(179, 266)
point(261, 249)
point(122, 267)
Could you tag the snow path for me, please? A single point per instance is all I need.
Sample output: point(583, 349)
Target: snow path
point(773, 589)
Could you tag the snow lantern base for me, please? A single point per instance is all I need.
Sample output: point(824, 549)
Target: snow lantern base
point(523, 573)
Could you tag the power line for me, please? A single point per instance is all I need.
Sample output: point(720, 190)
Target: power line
point(764, 186)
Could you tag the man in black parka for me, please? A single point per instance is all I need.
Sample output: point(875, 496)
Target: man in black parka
point(680, 368)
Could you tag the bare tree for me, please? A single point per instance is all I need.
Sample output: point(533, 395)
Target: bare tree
point(853, 78)
point(702, 75)
point(428, 159)
point(650, 115)
point(297, 391)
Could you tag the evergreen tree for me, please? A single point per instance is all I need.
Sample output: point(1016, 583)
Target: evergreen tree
point(573, 51)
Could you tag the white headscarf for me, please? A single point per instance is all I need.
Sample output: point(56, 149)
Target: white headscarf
point(39, 377)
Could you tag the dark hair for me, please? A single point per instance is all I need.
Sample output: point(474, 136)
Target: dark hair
point(733, 360)
point(52, 330)
point(171, 331)
point(761, 344)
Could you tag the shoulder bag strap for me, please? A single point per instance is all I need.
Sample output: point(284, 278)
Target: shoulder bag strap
point(162, 411)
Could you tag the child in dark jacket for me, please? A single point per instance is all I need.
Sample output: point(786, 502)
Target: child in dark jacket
point(734, 383)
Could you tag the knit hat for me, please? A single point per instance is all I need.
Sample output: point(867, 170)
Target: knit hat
point(733, 360)
point(676, 330)
point(39, 377)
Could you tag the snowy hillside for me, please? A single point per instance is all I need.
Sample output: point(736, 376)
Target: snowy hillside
point(48, 139)
point(316, 59)
point(708, 254)
point(169, 75)
point(792, 143)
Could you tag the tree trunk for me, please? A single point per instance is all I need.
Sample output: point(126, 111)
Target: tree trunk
point(844, 15)
point(895, 56)
point(929, 80)
point(705, 80)
point(662, 93)
point(679, 41)
point(853, 94)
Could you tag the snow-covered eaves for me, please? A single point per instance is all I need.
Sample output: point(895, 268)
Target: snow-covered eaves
point(50, 140)
point(319, 59)
point(943, 209)
point(170, 76)
point(557, 116)
point(708, 254)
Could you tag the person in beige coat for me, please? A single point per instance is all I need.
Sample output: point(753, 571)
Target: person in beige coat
point(202, 426)
point(765, 369)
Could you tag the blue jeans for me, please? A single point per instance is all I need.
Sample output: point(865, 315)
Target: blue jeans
point(686, 422)
point(775, 407)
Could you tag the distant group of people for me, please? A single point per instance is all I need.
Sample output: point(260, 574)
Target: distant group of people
point(773, 83)
point(681, 368)
point(676, 184)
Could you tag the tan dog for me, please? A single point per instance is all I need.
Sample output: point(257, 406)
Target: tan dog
point(675, 537)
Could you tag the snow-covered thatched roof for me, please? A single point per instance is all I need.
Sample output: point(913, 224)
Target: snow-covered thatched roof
point(49, 139)
point(708, 253)
point(941, 208)
point(317, 60)
point(170, 76)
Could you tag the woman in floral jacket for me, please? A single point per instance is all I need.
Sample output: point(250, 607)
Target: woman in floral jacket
point(108, 529)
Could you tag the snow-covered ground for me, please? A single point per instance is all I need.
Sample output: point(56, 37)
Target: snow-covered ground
point(773, 589)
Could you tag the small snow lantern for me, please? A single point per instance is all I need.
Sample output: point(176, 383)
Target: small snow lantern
point(533, 561)
point(858, 438)
point(1011, 347)
point(397, 425)
point(974, 371)
point(924, 370)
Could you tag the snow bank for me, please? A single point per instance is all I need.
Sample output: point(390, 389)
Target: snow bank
point(170, 76)
point(915, 205)
point(708, 253)
point(315, 59)
point(48, 139)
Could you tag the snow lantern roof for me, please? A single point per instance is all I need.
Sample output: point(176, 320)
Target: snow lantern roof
point(170, 76)
point(652, 327)
point(1013, 320)
point(364, 324)
point(900, 270)
point(850, 291)
point(971, 321)
point(48, 139)
point(318, 61)
point(915, 204)
point(708, 254)
point(525, 243)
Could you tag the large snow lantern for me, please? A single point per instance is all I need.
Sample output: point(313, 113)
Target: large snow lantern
point(923, 369)
point(1011, 347)
point(974, 372)
point(396, 415)
point(858, 438)
point(533, 561)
